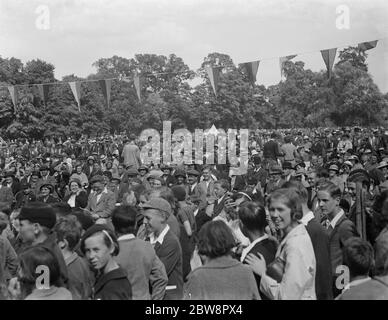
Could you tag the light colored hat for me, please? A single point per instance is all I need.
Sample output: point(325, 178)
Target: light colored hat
point(382, 164)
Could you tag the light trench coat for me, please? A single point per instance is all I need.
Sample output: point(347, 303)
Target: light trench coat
point(298, 281)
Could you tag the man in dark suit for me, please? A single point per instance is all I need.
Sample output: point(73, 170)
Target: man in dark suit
point(166, 244)
point(320, 241)
point(258, 171)
point(167, 176)
point(221, 187)
point(12, 183)
point(271, 150)
point(252, 223)
point(339, 227)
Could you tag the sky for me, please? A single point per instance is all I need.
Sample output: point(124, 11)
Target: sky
point(79, 32)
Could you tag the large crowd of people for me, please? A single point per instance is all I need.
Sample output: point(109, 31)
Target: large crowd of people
point(308, 220)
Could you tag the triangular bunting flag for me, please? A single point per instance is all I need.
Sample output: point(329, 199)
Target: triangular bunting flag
point(367, 45)
point(14, 95)
point(43, 91)
point(106, 86)
point(214, 76)
point(329, 57)
point(76, 89)
point(282, 61)
point(251, 70)
point(137, 84)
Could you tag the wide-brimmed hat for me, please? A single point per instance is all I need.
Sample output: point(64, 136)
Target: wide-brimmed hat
point(334, 167)
point(275, 170)
point(382, 164)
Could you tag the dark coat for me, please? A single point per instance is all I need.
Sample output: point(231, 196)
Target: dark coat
point(323, 275)
point(81, 201)
point(50, 199)
point(170, 253)
point(343, 230)
point(271, 150)
point(113, 285)
point(81, 278)
point(218, 206)
point(267, 248)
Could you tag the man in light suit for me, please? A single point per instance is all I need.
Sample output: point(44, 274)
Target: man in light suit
point(101, 201)
point(194, 189)
point(166, 244)
point(207, 183)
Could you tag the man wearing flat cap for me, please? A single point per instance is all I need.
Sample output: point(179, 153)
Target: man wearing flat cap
point(101, 201)
point(37, 220)
point(45, 177)
point(166, 244)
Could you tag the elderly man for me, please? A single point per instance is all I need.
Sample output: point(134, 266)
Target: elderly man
point(166, 244)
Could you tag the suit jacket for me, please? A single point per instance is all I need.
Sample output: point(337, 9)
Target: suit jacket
point(261, 174)
point(170, 253)
point(323, 276)
point(104, 206)
point(15, 187)
point(218, 206)
point(267, 248)
point(198, 191)
point(50, 199)
point(145, 270)
point(209, 190)
point(343, 230)
point(239, 183)
point(170, 180)
point(271, 150)
point(374, 289)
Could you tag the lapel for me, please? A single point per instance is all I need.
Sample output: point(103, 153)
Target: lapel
point(101, 198)
point(337, 225)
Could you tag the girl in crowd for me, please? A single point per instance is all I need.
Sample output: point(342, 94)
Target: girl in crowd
point(220, 277)
point(28, 287)
point(99, 245)
point(292, 274)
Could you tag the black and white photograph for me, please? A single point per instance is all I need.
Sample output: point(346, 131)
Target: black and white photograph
point(192, 154)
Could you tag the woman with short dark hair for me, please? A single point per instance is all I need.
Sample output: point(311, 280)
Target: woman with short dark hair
point(39, 277)
point(220, 277)
point(292, 274)
point(99, 245)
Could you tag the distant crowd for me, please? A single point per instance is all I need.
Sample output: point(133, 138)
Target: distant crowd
point(110, 226)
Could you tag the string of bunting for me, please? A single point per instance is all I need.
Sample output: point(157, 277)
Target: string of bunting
point(213, 72)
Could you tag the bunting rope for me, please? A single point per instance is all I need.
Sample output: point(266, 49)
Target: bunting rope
point(251, 68)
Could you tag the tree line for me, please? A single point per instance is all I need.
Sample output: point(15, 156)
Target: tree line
point(304, 99)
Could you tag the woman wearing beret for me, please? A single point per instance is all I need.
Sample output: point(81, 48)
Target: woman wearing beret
point(99, 245)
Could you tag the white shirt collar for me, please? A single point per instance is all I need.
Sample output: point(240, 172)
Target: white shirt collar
point(356, 282)
point(126, 237)
point(307, 218)
point(336, 218)
point(251, 245)
point(161, 236)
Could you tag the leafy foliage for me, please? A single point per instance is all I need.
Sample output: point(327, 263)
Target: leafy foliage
point(304, 99)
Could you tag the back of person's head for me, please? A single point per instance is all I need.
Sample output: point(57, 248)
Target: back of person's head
point(61, 209)
point(299, 189)
point(253, 216)
point(224, 184)
point(84, 219)
point(168, 195)
point(124, 219)
point(358, 256)
point(4, 222)
point(33, 258)
point(215, 239)
point(68, 229)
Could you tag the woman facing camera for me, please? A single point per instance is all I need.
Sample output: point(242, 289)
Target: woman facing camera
point(77, 198)
point(220, 277)
point(292, 274)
